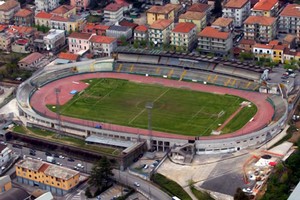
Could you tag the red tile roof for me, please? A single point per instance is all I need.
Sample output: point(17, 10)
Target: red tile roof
point(292, 10)
point(263, 46)
point(184, 27)
point(113, 7)
point(23, 13)
point(261, 20)
point(68, 56)
point(192, 15)
point(223, 22)
point(141, 28)
point(161, 9)
point(31, 58)
point(59, 18)
point(247, 42)
point(84, 36)
point(236, 3)
point(199, 7)
point(265, 5)
point(129, 24)
point(43, 15)
point(21, 29)
point(8, 5)
point(161, 24)
point(213, 33)
point(43, 167)
point(102, 39)
point(3, 27)
point(63, 9)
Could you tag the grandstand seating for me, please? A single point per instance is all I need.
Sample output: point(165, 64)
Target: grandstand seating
point(148, 59)
point(279, 106)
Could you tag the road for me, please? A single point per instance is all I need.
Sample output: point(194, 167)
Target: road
point(146, 188)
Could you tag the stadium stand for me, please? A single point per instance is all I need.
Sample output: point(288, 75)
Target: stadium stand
point(148, 59)
point(128, 57)
point(278, 105)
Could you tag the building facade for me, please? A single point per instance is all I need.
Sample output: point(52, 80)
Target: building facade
point(113, 13)
point(5, 155)
point(8, 10)
point(54, 40)
point(198, 18)
point(80, 4)
point(24, 17)
point(141, 33)
point(102, 45)
point(160, 31)
point(223, 24)
point(46, 5)
point(183, 36)
point(156, 13)
point(79, 42)
point(32, 61)
point(119, 32)
point(267, 8)
point(5, 41)
point(238, 10)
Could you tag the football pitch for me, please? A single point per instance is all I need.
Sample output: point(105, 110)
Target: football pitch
point(179, 111)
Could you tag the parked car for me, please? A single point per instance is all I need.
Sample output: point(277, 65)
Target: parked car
point(48, 154)
point(56, 155)
point(71, 160)
point(17, 146)
point(61, 157)
point(80, 166)
point(136, 184)
point(32, 153)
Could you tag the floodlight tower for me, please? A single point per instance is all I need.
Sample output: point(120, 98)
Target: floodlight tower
point(57, 91)
point(149, 107)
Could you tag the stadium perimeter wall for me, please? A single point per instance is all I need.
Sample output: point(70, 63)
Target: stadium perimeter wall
point(205, 145)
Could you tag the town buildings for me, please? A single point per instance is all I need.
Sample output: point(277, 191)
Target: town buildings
point(32, 61)
point(8, 10)
point(198, 18)
point(80, 4)
point(116, 31)
point(46, 5)
point(54, 40)
point(141, 33)
point(79, 42)
point(113, 13)
point(183, 36)
point(156, 13)
point(24, 17)
point(238, 10)
point(267, 8)
point(5, 155)
point(102, 45)
point(159, 32)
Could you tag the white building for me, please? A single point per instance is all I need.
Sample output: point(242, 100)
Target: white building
point(113, 13)
point(46, 5)
point(119, 31)
point(183, 36)
point(160, 31)
point(102, 45)
point(54, 40)
point(5, 155)
point(238, 10)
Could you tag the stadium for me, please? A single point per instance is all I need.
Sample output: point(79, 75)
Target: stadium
point(55, 85)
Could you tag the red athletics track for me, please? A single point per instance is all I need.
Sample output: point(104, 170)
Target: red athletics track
point(46, 95)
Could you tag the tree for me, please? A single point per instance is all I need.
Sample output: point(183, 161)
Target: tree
point(88, 193)
point(101, 173)
point(123, 40)
point(240, 195)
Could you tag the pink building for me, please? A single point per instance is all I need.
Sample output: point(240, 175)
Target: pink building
point(80, 4)
point(79, 42)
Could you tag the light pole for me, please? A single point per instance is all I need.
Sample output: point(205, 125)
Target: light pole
point(149, 107)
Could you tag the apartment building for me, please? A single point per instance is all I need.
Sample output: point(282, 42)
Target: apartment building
point(79, 42)
point(260, 28)
point(5, 155)
point(274, 52)
point(197, 18)
point(184, 36)
point(289, 20)
point(246, 45)
point(223, 24)
point(54, 40)
point(113, 13)
point(59, 180)
point(5, 41)
point(238, 10)
point(102, 45)
point(159, 32)
point(7, 11)
point(80, 4)
point(32, 61)
point(119, 31)
point(156, 13)
point(46, 5)
point(141, 33)
point(212, 40)
point(64, 11)
point(267, 8)
point(24, 17)
point(202, 8)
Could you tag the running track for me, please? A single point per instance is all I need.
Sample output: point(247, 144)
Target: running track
point(46, 95)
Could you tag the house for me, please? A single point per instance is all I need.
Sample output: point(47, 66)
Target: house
point(197, 18)
point(290, 41)
point(274, 52)
point(8, 10)
point(79, 42)
point(141, 33)
point(102, 45)
point(5, 155)
point(24, 17)
point(119, 32)
point(113, 13)
point(184, 36)
point(260, 28)
point(70, 57)
point(99, 29)
point(80, 4)
point(5, 41)
point(246, 45)
point(223, 24)
point(289, 20)
point(21, 46)
point(202, 8)
point(64, 11)
point(5, 183)
point(15, 194)
point(46, 5)
point(267, 8)
point(128, 24)
point(156, 13)
point(59, 180)
point(238, 10)
point(32, 61)
point(160, 31)
point(54, 40)
point(212, 40)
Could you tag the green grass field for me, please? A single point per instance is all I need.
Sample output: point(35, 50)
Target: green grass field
point(179, 111)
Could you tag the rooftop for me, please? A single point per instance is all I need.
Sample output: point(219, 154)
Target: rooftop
point(2, 147)
point(141, 28)
point(60, 172)
point(184, 27)
point(118, 28)
point(223, 22)
point(31, 164)
point(84, 36)
point(289, 38)
point(236, 3)
point(213, 33)
point(292, 10)
point(263, 46)
point(31, 58)
point(192, 15)
point(102, 39)
point(247, 42)
point(91, 26)
point(8, 5)
point(160, 9)
point(63, 9)
point(53, 33)
point(113, 7)
point(262, 20)
point(265, 5)
point(68, 56)
point(23, 13)
point(43, 15)
point(161, 24)
point(199, 7)
point(127, 23)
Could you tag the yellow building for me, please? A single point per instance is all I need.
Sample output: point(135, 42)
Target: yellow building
point(59, 180)
point(197, 18)
point(278, 51)
point(5, 183)
point(160, 31)
point(160, 12)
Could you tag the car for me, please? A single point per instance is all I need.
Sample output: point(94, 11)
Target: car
point(80, 166)
point(76, 168)
point(146, 167)
point(58, 163)
point(136, 184)
point(17, 146)
point(32, 150)
point(284, 77)
point(32, 153)
point(61, 157)
point(56, 155)
point(71, 160)
point(48, 154)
